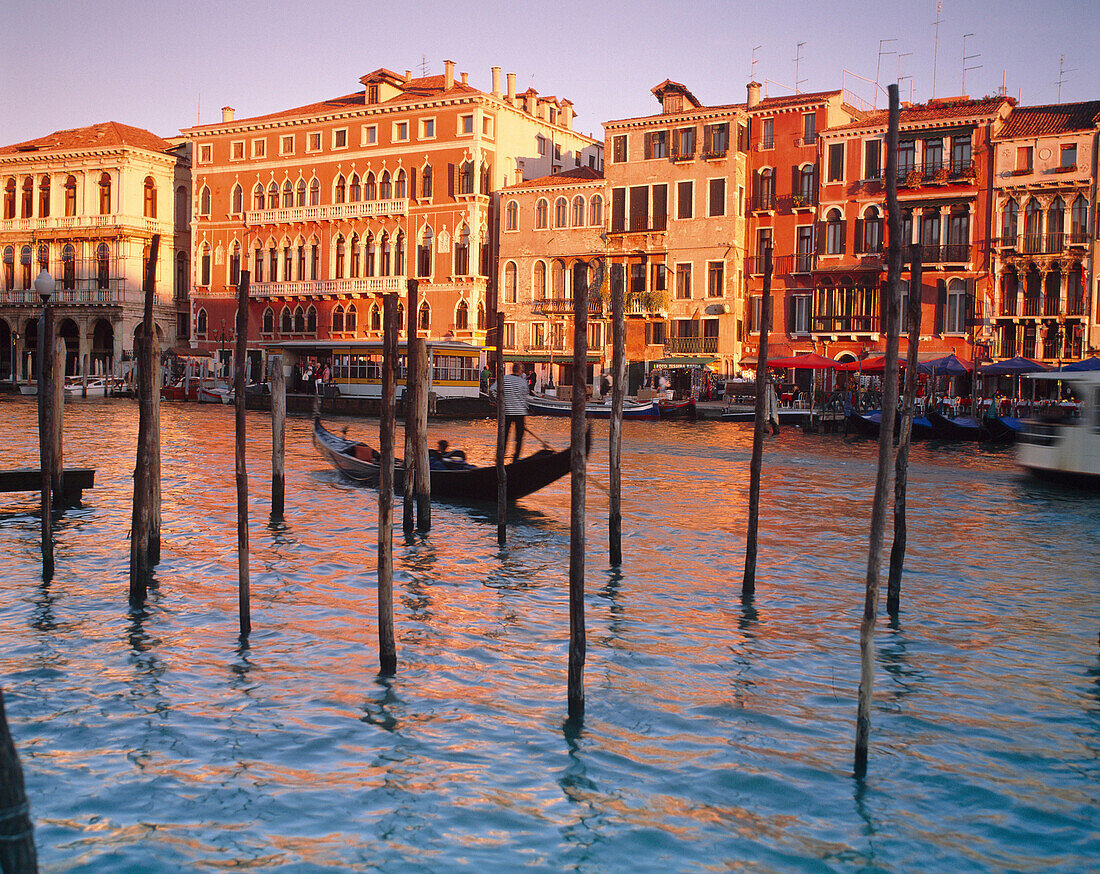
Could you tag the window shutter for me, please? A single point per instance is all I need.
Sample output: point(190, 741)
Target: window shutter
point(941, 305)
point(843, 235)
point(819, 230)
point(452, 182)
point(971, 321)
point(858, 247)
point(795, 177)
point(410, 189)
point(790, 308)
point(883, 290)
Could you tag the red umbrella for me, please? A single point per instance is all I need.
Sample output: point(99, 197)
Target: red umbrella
point(869, 365)
point(808, 360)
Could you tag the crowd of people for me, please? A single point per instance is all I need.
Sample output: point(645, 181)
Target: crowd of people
point(313, 376)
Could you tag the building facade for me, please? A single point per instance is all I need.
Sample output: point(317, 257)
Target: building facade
point(549, 226)
point(1044, 242)
point(676, 228)
point(333, 204)
point(84, 204)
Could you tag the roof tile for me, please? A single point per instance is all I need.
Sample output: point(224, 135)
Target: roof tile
point(105, 134)
point(1031, 121)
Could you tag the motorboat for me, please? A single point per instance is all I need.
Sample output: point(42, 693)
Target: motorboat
point(1063, 445)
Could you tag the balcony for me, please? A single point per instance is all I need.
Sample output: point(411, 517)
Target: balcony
point(801, 262)
point(88, 223)
point(1041, 244)
point(86, 294)
point(563, 306)
point(794, 202)
point(713, 154)
point(1032, 305)
point(685, 155)
point(763, 201)
point(545, 345)
point(846, 324)
point(370, 285)
point(644, 303)
point(692, 345)
point(951, 253)
point(332, 212)
point(937, 173)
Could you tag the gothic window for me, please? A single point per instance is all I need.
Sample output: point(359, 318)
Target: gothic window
point(384, 189)
point(578, 211)
point(399, 184)
point(236, 202)
point(353, 189)
point(204, 201)
point(560, 213)
point(462, 316)
point(286, 321)
point(541, 209)
point(511, 216)
point(595, 211)
point(337, 319)
point(269, 321)
point(258, 196)
point(340, 189)
point(424, 320)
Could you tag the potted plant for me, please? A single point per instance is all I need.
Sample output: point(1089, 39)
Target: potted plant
point(798, 201)
point(913, 178)
point(941, 175)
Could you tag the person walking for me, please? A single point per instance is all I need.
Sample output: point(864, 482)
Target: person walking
point(515, 406)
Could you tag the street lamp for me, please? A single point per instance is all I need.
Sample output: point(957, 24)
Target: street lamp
point(14, 369)
point(44, 285)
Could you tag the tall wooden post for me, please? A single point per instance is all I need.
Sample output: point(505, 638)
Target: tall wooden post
point(578, 462)
point(502, 473)
point(387, 647)
point(615, 426)
point(276, 380)
point(17, 851)
point(420, 445)
point(411, 418)
point(901, 464)
point(154, 437)
point(885, 443)
point(45, 432)
point(748, 584)
point(243, 583)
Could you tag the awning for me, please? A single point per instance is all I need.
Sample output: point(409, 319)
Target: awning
point(684, 361)
point(544, 358)
point(187, 352)
point(807, 361)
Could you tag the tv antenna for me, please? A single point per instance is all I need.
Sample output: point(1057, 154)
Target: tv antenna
point(1062, 74)
point(878, 66)
point(966, 58)
point(423, 65)
point(936, 44)
point(752, 66)
point(797, 61)
point(902, 78)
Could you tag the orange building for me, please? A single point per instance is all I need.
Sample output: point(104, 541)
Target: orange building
point(331, 205)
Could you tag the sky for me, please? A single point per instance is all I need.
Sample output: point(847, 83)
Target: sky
point(166, 66)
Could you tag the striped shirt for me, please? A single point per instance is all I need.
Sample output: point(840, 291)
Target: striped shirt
point(515, 395)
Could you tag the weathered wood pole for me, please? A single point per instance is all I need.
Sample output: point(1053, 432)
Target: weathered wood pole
point(885, 443)
point(141, 521)
point(387, 647)
point(411, 418)
point(748, 583)
point(502, 473)
point(243, 594)
point(56, 401)
point(45, 432)
point(276, 380)
point(901, 463)
point(17, 851)
point(578, 462)
point(420, 445)
point(615, 426)
point(154, 402)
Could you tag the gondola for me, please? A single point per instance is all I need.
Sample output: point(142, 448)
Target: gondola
point(965, 428)
point(868, 424)
point(684, 409)
point(451, 479)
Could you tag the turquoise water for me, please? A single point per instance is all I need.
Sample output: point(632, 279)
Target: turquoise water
point(716, 737)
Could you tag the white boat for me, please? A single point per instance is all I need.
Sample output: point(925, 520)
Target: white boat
point(214, 394)
point(97, 387)
point(1065, 446)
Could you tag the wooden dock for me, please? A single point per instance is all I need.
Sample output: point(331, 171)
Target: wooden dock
point(29, 479)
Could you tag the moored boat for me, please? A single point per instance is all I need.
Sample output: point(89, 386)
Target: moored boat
point(964, 428)
point(451, 480)
point(683, 409)
point(1066, 449)
point(543, 406)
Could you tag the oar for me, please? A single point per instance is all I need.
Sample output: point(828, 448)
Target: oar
point(590, 478)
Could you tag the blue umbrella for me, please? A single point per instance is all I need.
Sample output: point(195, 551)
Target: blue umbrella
point(1019, 364)
point(1092, 363)
point(949, 365)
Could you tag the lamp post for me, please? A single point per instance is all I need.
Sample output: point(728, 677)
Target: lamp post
point(14, 368)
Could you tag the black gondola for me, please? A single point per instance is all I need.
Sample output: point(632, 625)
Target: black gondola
point(451, 480)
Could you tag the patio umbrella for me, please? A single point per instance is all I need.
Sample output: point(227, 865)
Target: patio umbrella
point(949, 365)
point(808, 360)
point(1092, 363)
point(869, 365)
point(1019, 364)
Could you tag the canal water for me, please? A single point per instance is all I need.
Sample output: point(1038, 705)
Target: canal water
point(717, 737)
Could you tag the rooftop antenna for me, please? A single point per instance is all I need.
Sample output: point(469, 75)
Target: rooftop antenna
point(902, 78)
point(936, 44)
point(1004, 82)
point(966, 58)
point(423, 66)
point(198, 110)
point(752, 66)
point(797, 61)
point(878, 66)
point(1062, 74)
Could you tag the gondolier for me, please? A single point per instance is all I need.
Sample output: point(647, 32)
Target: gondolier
point(516, 393)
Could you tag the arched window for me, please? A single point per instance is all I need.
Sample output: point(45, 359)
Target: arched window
point(258, 263)
point(43, 256)
point(339, 189)
point(299, 320)
point(872, 230)
point(201, 323)
point(182, 210)
point(269, 320)
point(9, 199)
point(930, 226)
point(462, 252)
point(288, 194)
point(424, 318)
point(538, 284)
point(595, 211)
point(557, 278)
point(560, 213)
point(105, 195)
point(462, 316)
point(399, 184)
point(765, 191)
point(258, 196)
point(466, 178)
point(1079, 221)
point(541, 216)
point(44, 197)
point(578, 211)
point(339, 263)
point(834, 233)
point(424, 252)
point(399, 254)
point(314, 193)
point(1056, 224)
point(353, 254)
point(375, 318)
point(337, 319)
point(9, 268)
point(70, 196)
point(384, 190)
point(510, 293)
point(1009, 223)
point(204, 201)
point(301, 192)
point(236, 200)
point(150, 198)
point(68, 266)
point(28, 198)
point(481, 315)
point(286, 321)
point(353, 189)
point(204, 263)
point(1033, 227)
point(807, 185)
point(511, 216)
point(371, 188)
point(349, 318)
point(426, 181)
point(25, 265)
point(384, 247)
point(368, 255)
point(273, 195)
point(235, 264)
point(400, 318)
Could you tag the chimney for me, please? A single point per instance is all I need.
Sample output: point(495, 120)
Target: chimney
point(496, 81)
point(512, 88)
point(228, 113)
point(448, 75)
point(465, 77)
point(567, 114)
point(408, 75)
point(531, 96)
point(754, 94)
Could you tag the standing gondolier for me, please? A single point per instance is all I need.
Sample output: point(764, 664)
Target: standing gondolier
point(516, 392)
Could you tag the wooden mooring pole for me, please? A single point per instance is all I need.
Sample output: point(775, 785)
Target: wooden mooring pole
point(411, 418)
point(45, 432)
point(276, 380)
point(17, 851)
point(57, 421)
point(748, 583)
point(578, 463)
point(615, 427)
point(502, 473)
point(901, 463)
point(241, 353)
point(420, 445)
point(885, 444)
point(387, 647)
